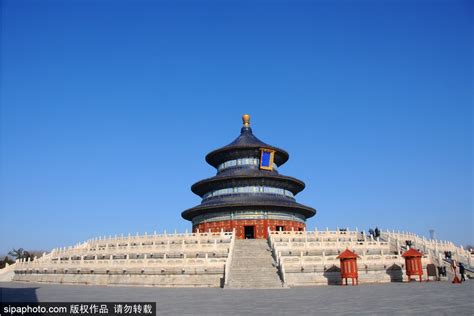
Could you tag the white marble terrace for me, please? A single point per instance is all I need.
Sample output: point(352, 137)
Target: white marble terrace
point(309, 257)
point(204, 259)
point(189, 259)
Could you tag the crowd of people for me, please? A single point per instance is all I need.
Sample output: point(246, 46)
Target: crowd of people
point(459, 271)
point(375, 233)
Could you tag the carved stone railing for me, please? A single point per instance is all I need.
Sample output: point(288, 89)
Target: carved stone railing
point(229, 259)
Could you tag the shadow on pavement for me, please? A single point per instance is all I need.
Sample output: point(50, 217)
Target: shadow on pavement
point(27, 294)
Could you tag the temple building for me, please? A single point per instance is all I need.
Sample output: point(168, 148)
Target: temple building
point(248, 232)
point(248, 193)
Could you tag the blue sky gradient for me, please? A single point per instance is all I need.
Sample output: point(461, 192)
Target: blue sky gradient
point(109, 107)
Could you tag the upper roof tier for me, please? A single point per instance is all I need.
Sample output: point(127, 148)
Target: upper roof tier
point(244, 146)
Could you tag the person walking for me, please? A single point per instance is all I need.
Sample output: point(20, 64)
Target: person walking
point(454, 268)
point(462, 270)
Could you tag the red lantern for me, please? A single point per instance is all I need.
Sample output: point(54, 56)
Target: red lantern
point(413, 263)
point(349, 266)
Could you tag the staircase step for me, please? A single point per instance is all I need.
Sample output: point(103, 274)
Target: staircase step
point(253, 266)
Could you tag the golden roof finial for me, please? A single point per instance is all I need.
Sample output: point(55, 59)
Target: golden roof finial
point(246, 120)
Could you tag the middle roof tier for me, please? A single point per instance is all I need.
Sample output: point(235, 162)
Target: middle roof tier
point(256, 178)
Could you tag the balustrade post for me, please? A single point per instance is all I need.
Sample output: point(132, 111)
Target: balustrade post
point(283, 275)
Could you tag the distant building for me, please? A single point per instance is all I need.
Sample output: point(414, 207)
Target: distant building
point(248, 194)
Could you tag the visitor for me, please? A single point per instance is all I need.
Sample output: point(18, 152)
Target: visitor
point(440, 272)
point(462, 270)
point(377, 232)
point(371, 232)
point(454, 268)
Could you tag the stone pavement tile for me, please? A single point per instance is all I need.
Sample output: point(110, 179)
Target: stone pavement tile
point(433, 298)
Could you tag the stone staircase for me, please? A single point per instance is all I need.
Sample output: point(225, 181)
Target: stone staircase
point(252, 266)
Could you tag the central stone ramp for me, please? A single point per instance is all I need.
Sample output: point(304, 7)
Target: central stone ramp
point(252, 266)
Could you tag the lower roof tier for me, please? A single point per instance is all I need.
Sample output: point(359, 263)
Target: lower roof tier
point(251, 205)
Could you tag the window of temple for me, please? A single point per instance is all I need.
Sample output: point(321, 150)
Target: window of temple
point(242, 162)
point(249, 189)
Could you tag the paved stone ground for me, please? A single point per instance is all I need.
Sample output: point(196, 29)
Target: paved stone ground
point(433, 298)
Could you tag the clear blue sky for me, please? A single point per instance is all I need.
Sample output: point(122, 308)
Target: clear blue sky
point(109, 107)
